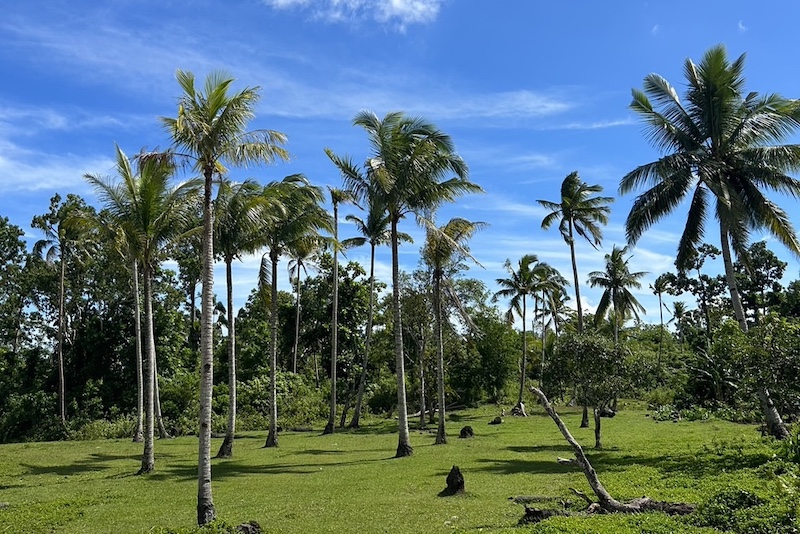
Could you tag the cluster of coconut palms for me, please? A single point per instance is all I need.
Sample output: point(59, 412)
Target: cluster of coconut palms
point(721, 149)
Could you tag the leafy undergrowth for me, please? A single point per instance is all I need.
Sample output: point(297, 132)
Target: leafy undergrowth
point(349, 482)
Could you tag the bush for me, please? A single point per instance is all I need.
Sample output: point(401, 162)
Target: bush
point(789, 448)
point(120, 427)
point(739, 511)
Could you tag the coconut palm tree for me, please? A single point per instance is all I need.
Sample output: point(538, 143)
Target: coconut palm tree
point(578, 213)
point(237, 209)
point(211, 129)
point(406, 174)
point(659, 286)
point(721, 145)
point(301, 219)
point(617, 300)
point(302, 253)
point(150, 214)
point(530, 277)
point(338, 196)
point(444, 249)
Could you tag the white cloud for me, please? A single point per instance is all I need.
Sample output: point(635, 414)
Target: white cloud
point(655, 30)
point(401, 13)
point(742, 27)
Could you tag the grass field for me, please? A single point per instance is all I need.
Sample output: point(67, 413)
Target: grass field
point(349, 482)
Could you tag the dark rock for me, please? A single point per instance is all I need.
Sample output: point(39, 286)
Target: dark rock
point(455, 483)
point(251, 527)
point(467, 432)
point(496, 421)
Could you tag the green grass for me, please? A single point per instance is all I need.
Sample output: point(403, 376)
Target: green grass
point(349, 482)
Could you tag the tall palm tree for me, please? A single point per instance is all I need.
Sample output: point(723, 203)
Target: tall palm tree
point(150, 213)
point(578, 213)
point(237, 208)
point(443, 250)
point(211, 127)
point(530, 277)
point(338, 196)
point(302, 218)
point(406, 174)
point(659, 286)
point(721, 145)
point(617, 298)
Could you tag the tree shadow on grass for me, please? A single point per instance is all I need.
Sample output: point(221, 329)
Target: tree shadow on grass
point(94, 462)
point(540, 448)
point(510, 467)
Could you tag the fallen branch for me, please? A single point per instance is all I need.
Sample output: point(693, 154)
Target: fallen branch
point(606, 501)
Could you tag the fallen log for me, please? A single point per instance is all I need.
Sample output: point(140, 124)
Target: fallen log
point(605, 501)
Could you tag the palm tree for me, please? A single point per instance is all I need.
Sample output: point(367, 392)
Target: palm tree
point(302, 253)
point(375, 231)
point(405, 173)
point(443, 250)
point(211, 128)
point(150, 214)
point(301, 219)
point(659, 287)
point(578, 213)
point(236, 217)
point(337, 197)
point(721, 144)
point(530, 277)
point(615, 280)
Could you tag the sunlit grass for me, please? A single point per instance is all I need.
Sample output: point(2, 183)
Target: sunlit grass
point(350, 482)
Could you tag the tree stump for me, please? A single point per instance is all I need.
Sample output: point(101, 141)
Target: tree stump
point(496, 421)
point(466, 432)
point(251, 527)
point(519, 410)
point(455, 483)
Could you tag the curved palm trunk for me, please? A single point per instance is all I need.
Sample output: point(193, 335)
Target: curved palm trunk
point(205, 501)
point(363, 383)
point(148, 462)
point(162, 430)
point(272, 435)
point(524, 351)
point(62, 403)
point(138, 435)
point(226, 449)
point(403, 444)
point(329, 428)
point(575, 278)
point(775, 425)
point(441, 436)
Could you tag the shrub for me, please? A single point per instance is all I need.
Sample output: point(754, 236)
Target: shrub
point(739, 511)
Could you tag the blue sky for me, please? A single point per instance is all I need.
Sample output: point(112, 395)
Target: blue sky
point(529, 91)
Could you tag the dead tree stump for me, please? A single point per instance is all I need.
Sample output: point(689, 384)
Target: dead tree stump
point(496, 421)
point(467, 432)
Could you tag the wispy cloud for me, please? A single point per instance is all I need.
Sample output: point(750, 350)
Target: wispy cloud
point(742, 27)
point(596, 125)
point(400, 13)
point(655, 30)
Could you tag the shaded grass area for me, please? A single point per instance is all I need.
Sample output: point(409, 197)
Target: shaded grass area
point(349, 481)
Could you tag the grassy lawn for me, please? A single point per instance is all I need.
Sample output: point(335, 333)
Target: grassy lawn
point(349, 482)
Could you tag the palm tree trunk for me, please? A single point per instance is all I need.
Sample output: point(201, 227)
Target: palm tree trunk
point(421, 346)
point(205, 501)
point(296, 321)
point(148, 462)
point(226, 449)
point(138, 435)
point(363, 382)
point(62, 403)
point(441, 436)
point(162, 430)
point(272, 435)
point(329, 428)
point(403, 443)
point(775, 425)
point(575, 278)
point(524, 352)
point(660, 332)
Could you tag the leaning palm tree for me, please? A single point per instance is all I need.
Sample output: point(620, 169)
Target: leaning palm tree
point(150, 214)
point(578, 213)
point(406, 174)
point(237, 208)
point(617, 300)
point(338, 196)
point(375, 231)
point(530, 277)
point(721, 145)
point(302, 218)
point(443, 251)
point(211, 129)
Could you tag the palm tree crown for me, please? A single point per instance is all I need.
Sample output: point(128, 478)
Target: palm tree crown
point(615, 280)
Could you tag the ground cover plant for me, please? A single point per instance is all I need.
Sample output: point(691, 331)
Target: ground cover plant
point(350, 482)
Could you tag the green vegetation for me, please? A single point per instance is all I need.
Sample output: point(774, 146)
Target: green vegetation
point(349, 482)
